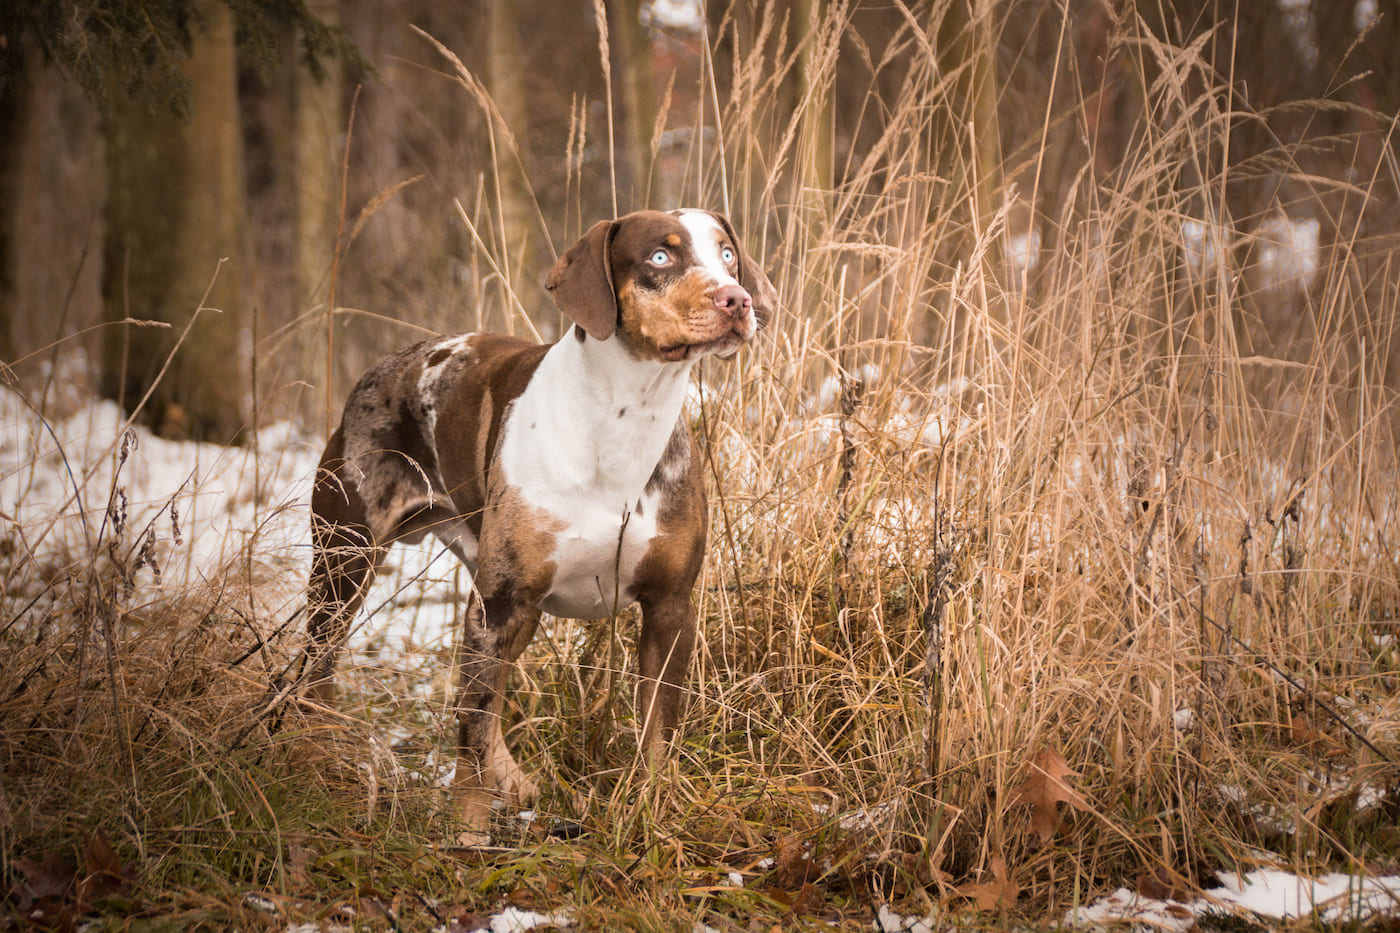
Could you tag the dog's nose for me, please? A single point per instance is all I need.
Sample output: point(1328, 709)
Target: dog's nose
point(733, 300)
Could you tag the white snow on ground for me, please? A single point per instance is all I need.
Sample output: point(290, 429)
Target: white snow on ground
point(1267, 894)
point(514, 920)
point(887, 921)
point(58, 479)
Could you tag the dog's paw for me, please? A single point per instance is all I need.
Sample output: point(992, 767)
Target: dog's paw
point(472, 839)
point(474, 819)
point(517, 788)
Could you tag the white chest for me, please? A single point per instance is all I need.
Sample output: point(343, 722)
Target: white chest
point(580, 445)
point(595, 559)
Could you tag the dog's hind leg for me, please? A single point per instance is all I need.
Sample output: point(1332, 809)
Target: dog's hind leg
point(344, 558)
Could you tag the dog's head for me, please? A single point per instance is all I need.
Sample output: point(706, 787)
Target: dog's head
point(672, 286)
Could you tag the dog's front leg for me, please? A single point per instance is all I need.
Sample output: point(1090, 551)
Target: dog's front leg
point(663, 649)
point(495, 634)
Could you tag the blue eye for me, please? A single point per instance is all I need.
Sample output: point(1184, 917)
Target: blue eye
point(727, 255)
point(660, 258)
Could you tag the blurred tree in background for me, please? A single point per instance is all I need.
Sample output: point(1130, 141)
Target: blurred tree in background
point(454, 194)
point(165, 79)
point(174, 214)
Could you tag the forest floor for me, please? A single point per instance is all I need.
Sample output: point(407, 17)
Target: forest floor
point(164, 779)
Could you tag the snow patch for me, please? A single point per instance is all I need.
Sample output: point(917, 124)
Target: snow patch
point(515, 920)
point(887, 921)
point(1266, 892)
point(674, 15)
point(201, 506)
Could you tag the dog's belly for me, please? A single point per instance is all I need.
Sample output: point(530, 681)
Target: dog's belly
point(595, 560)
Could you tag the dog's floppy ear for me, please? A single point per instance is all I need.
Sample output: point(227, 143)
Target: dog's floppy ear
point(582, 283)
point(751, 277)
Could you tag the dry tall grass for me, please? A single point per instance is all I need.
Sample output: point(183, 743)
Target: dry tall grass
point(970, 515)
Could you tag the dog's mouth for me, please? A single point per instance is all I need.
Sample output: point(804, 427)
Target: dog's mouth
point(725, 344)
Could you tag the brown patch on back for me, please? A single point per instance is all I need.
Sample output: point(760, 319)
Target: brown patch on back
point(466, 441)
point(414, 454)
point(385, 456)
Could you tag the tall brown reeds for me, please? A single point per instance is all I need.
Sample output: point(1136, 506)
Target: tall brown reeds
point(1043, 558)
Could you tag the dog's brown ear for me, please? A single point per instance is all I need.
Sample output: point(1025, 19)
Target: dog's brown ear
point(582, 285)
point(765, 296)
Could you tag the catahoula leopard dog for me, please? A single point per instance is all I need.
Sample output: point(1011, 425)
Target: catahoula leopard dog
point(564, 476)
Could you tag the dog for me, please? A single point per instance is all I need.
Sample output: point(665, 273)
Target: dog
point(563, 476)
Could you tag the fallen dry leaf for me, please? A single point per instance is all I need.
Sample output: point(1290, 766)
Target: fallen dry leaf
point(805, 900)
point(101, 857)
point(1164, 884)
point(55, 878)
point(106, 874)
point(50, 878)
point(794, 863)
point(998, 894)
point(467, 922)
point(1044, 789)
point(1301, 732)
point(809, 898)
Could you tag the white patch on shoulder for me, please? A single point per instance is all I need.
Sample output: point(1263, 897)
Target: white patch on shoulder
point(427, 380)
point(706, 235)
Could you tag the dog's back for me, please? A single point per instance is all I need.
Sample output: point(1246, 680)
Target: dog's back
point(408, 466)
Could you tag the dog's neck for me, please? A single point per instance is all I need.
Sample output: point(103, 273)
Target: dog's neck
point(614, 377)
point(607, 417)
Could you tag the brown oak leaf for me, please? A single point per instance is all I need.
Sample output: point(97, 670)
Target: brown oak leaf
point(1301, 732)
point(51, 878)
point(794, 864)
point(998, 894)
point(1044, 789)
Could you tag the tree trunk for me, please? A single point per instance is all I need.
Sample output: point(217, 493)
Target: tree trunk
point(817, 176)
point(318, 119)
point(813, 175)
point(174, 213)
point(633, 59)
point(16, 96)
point(967, 45)
point(519, 240)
